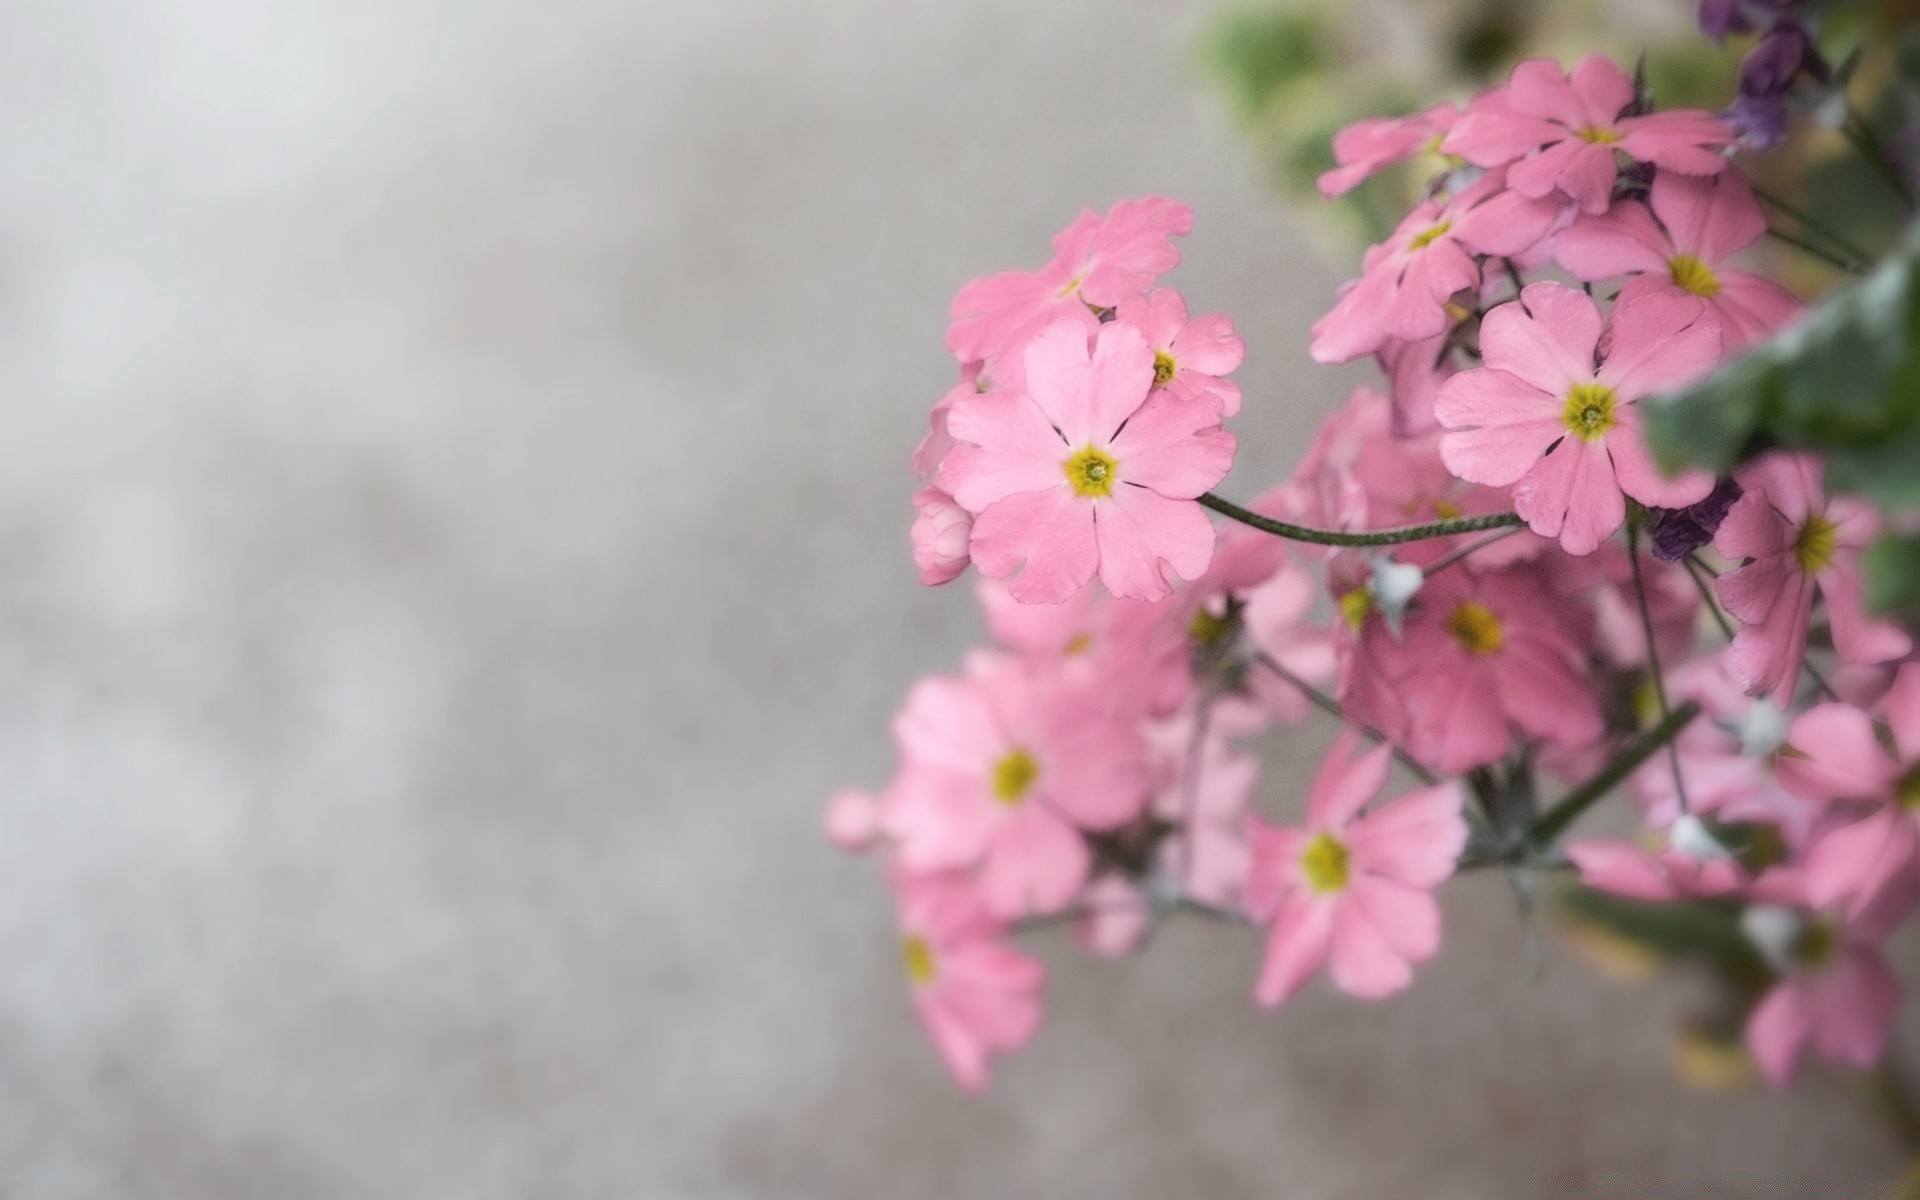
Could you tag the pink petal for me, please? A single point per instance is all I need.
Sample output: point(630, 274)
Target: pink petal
point(1778, 1030)
point(1571, 495)
point(1361, 959)
point(1858, 1001)
point(1710, 218)
point(1903, 711)
point(1143, 536)
point(1660, 341)
point(1861, 859)
point(1296, 947)
point(1036, 863)
point(1634, 468)
point(1833, 755)
point(1005, 446)
point(1174, 446)
point(1051, 532)
point(1345, 783)
point(1416, 840)
point(1858, 638)
point(1620, 241)
point(1604, 90)
point(1547, 339)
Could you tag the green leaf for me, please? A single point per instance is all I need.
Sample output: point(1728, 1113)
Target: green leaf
point(1893, 575)
point(1696, 930)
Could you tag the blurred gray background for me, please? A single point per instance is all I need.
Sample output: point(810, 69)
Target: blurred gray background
point(453, 517)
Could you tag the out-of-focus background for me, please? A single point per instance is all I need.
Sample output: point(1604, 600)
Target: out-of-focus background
point(453, 518)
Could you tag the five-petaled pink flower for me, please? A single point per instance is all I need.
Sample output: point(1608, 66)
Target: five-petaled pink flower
point(1097, 262)
point(1834, 753)
point(975, 994)
point(1000, 771)
point(1353, 891)
point(1560, 132)
point(1407, 282)
point(1087, 470)
point(1564, 432)
point(1366, 146)
point(1700, 224)
point(1793, 537)
point(1191, 356)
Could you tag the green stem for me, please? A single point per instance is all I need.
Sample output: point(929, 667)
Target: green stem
point(1653, 658)
point(1327, 704)
point(1817, 252)
point(1860, 257)
point(1555, 820)
point(1375, 537)
point(1867, 142)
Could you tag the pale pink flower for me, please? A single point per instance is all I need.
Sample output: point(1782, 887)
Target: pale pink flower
point(853, 820)
point(1701, 223)
point(1407, 281)
point(1114, 918)
point(1086, 471)
point(1560, 132)
point(1366, 146)
point(974, 993)
point(1097, 262)
point(1001, 770)
point(1093, 641)
point(941, 531)
point(1353, 891)
point(1491, 653)
point(1794, 537)
point(1372, 661)
point(1204, 787)
point(1834, 753)
point(1190, 356)
point(1565, 434)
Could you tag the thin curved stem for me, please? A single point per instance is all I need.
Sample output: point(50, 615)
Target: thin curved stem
point(1373, 537)
point(1454, 556)
point(1555, 820)
point(1653, 661)
point(1814, 226)
point(1327, 704)
point(1833, 260)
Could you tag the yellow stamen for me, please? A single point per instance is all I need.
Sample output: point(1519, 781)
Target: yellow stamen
point(1208, 628)
point(1325, 863)
point(1907, 791)
point(919, 959)
point(1164, 368)
point(1593, 135)
point(1090, 471)
point(1815, 544)
point(1355, 606)
point(1814, 947)
point(1077, 645)
point(1474, 626)
point(1071, 285)
point(1014, 775)
point(1428, 236)
point(1589, 411)
point(1695, 276)
point(1446, 510)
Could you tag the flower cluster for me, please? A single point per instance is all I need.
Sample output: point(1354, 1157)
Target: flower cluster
point(1477, 568)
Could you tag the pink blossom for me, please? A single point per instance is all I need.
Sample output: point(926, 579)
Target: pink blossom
point(1700, 224)
point(1540, 416)
point(1278, 616)
point(1204, 787)
point(975, 995)
point(1794, 537)
point(1366, 146)
point(853, 820)
point(1490, 653)
point(1097, 262)
point(1561, 132)
point(1086, 471)
point(1834, 753)
point(1353, 891)
point(1190, 356)
point(1000, 771)
point(1371, 660)
point(1114, 919)
point(1625, 869)
point(1407, 281)
point(941, 531)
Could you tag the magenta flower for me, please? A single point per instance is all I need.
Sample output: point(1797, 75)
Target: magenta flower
point(1190, 357)
point(1540, 416)
point(1407, 281)
point(1087, 470)
point(1353, 891)
point(1490, 653)
point(1000, 771)
point(1097, 262)
point(1700, 224)
point(1560, 132)
point(1793, 537)
point(1834, 753)
point(940, 534)
point(975, 995)
point(1366, 146)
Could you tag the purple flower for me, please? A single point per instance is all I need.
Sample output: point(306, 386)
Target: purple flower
point(1678, 532)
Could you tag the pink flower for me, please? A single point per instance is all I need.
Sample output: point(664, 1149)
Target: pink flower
point(1560, 132)
point(1353, 891)
point(1834, 753)
point(1702, 223)
point(1000, 771)
point(975, 995)
point(1835, 994)
point(1086, 471)
point(1278, 615)
point(1366, 146)
point(1619, 867)
point(1204, 787)
point(940, 535)
point(1190, 357)
point(1794, 537)
point(1489, 653)
point(1540, 416)
point(853, 820)
point(1407, 281)
point(1115, 918)
point(1097, 262)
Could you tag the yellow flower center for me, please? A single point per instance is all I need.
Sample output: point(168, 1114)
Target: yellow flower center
point(1455, 312)
point(1907, 791)
point(1163, 368)
point(1428, 236)
point(1446, 510)
point(1589, 411)
point(1697, 277)
point(1814, 947)
point(1209, 628)
point(1325, 863)
point(1593, 135)
point(919, 959)
point(1355, 606)
point(1814, 546)
point(1077, 645)
point(1474, 626)
point(1090, 471)
point(1013, 776)
point(1071, 285)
